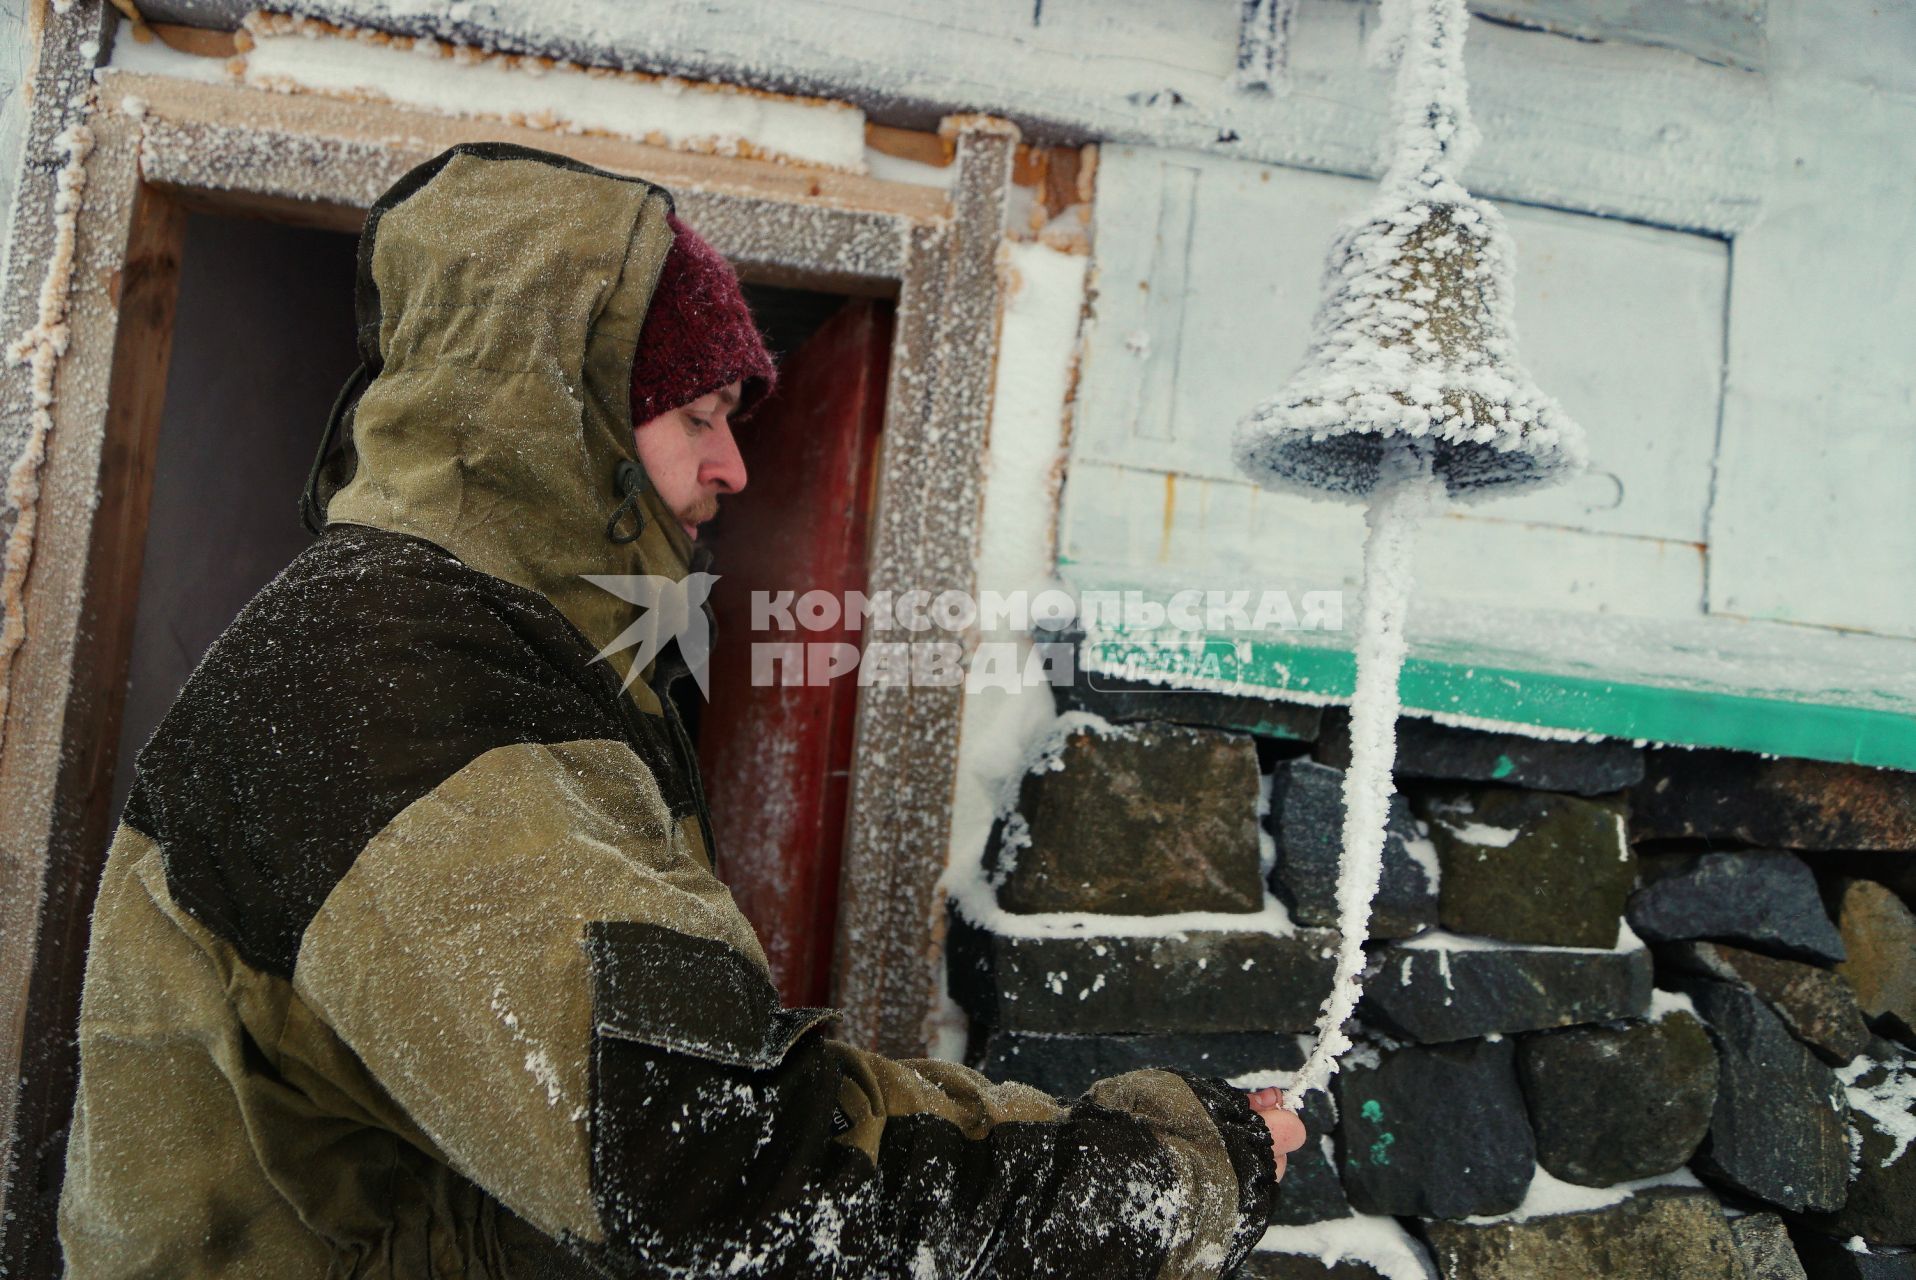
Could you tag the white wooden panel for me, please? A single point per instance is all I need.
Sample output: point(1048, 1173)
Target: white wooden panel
point(1124, 525)
point(1205, 301)
point(1814, 519)
point(1597, 124)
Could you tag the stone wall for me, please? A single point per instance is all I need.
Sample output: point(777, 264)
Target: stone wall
point(1629, 1012)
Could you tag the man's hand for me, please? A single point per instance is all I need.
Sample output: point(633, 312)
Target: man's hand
point(1287, 1131)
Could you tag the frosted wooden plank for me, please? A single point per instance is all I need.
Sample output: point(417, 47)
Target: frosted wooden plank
point(1122, 524)
point(1813, 520)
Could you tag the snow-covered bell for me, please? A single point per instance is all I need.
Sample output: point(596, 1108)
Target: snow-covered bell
point(1414, 338)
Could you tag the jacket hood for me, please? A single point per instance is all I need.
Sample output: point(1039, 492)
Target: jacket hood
point(501, 291)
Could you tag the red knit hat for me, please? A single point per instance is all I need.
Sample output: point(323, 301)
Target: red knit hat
point(698, 334)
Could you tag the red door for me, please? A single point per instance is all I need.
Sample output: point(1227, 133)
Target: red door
point(776, 757)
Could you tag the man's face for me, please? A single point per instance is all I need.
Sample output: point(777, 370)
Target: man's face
point(691, 457)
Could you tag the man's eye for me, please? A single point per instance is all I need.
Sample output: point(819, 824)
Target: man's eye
point(701, 423)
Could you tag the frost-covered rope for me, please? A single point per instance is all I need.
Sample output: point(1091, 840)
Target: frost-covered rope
point(1431, 134)
point(1407, 491)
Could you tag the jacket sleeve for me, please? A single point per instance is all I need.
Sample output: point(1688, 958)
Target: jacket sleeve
point(535, 964)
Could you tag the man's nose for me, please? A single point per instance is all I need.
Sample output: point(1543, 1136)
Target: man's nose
point(722, 467)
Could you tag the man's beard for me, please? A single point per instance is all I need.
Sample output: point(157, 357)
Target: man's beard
point(698, 512)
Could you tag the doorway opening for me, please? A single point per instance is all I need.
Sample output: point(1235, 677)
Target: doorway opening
point(262, 340)
point(776, 741)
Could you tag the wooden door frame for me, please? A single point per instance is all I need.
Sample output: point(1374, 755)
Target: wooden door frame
point(163, 146)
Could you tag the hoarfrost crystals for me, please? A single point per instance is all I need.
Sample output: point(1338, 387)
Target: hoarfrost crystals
point(1415, 337)
point(1406, 492)
point(40, 349)
point(1890, 1102)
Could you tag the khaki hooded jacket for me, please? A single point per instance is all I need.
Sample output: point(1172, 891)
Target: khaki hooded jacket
point(409, 959)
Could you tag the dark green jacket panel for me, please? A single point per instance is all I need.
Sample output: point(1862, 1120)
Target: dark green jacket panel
point(369, 671)
point(732, 1154)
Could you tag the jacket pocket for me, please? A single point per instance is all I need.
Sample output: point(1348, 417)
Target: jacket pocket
point(656, 986)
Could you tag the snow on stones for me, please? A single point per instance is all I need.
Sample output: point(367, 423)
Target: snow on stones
point(1442, 986)
point(1358, 1247)
point(1881, 1089)
point(1610, 1078)
point(1202, 979)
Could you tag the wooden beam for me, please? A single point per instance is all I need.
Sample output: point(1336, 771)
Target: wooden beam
point(69, 677)
point(305, 146)
point(315, 161)
point(905, 765)
point(909, 144)
point(201, 42)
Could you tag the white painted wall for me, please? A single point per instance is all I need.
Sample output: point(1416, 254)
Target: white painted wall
point(1708, 515)
point(1813, 521)
point(1738, 349)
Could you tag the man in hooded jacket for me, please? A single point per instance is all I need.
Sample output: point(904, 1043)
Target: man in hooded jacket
point(408, 958)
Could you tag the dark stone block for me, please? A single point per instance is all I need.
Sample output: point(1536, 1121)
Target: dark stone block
point(1429, 992)
point(1893, 870)
point(1526, 866)
point(1827, 1259)
point(1266, 1265)
point(1763, 1243)
point(1434, 1131)
point(1659, 1234)
point(1123, 701)
point(1777, 1131)
point(1879, 933)
point(1765, 900)
point(1656, 1234)
point(1426, 749)
point(1616, 1103)
point(1789, 804)
point(1203, 980)
point(1882, 1196)
point(1065, 1066)
point(1307, 824)
point(1815, 1004)
point(1148, 820)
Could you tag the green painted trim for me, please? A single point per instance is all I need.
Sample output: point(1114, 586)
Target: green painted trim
point(1614, 708)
